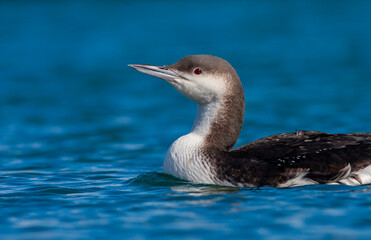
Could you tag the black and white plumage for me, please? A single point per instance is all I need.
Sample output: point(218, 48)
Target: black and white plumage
point(205, 155)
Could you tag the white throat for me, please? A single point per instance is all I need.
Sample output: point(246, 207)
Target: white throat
point(206, 114)
point(185, 157)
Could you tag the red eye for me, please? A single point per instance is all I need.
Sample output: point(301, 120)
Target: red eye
point(197, 71)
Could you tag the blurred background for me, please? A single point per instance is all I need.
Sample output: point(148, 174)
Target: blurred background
point(74, 119)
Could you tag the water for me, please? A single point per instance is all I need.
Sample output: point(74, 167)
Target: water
point(82, 136)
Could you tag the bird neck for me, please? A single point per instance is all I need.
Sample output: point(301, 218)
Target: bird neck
point(206, 113)
point(219, 122)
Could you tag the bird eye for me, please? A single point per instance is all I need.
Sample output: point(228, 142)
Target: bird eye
point(197, 71)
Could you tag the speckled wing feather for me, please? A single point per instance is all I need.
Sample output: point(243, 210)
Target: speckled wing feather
point(324, 158)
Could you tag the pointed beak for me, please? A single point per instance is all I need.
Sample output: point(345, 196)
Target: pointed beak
point(156, 71)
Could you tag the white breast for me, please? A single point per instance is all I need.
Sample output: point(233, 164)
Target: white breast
point(184, 160)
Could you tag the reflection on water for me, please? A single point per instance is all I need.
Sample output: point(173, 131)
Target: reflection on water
point(204, 190)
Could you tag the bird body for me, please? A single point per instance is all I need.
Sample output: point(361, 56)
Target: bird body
point(205, 155)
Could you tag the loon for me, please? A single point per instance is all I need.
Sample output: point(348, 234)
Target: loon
point(205, 155)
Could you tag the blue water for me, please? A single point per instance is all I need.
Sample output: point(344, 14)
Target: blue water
point(82, 136)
